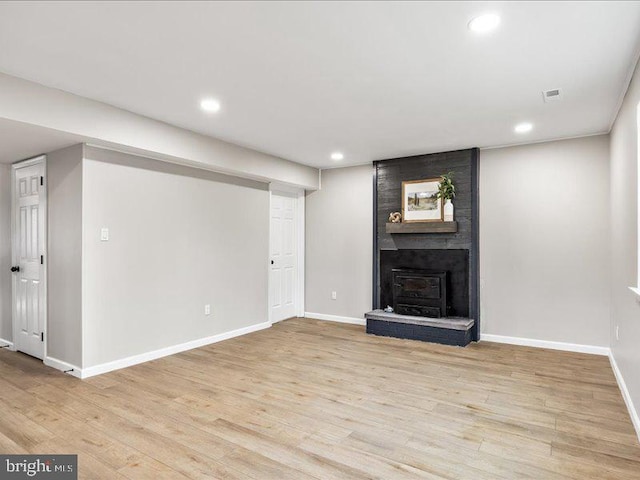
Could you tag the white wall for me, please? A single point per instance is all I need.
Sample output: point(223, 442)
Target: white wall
point(339, 223)
point(179, 239)
point(625, 305)
point(544, 253)
point(64, 265)
point(5, 253)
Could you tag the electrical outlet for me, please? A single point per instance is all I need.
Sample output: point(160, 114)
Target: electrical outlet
point(334, 295)
point(617, 332)
point(104, 234)
point(207, 309)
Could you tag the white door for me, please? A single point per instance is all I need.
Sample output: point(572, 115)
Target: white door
point(29, 240)
point(284, 256)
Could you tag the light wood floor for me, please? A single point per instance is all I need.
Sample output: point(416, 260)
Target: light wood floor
point(321, 400)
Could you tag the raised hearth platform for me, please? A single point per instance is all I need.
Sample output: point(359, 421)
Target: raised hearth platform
point(447, 331)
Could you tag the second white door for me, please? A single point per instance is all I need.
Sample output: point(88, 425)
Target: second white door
point(284, 256)
point(29, 240)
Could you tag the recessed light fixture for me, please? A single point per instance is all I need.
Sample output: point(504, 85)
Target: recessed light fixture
point(337, 156)
point(484, 23)
point(523, 127)
point(210, 105)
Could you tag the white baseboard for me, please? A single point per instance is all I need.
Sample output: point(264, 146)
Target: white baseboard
point(163, 352)
point(335, 318)
point(8, 344)
point(531, 342)
point(633, 413)
point(63, 366)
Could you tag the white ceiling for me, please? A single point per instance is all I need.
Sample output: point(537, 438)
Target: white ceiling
point(302, 79)
point(19, 141)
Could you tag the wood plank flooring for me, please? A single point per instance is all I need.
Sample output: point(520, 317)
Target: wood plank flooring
point(320, 400)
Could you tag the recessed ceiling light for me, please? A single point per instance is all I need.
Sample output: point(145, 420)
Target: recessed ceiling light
point(337, 156)
point(523, 127)
point(484, 23)
point(210, 105)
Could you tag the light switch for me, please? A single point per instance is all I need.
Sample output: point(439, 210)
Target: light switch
point(104, 235)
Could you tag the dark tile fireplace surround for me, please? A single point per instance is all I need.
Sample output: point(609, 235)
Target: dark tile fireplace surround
point(436, 274)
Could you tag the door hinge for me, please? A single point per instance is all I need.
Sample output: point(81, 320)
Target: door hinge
point(41, 180)
point(42, 336)
point(41, 259)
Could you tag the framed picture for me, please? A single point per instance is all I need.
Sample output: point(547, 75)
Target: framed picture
point(420, 202)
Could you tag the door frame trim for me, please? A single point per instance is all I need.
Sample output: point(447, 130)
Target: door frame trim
point(300, 246)
point(40, 159)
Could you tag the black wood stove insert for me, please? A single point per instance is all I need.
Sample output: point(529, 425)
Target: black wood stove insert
point(419, 292)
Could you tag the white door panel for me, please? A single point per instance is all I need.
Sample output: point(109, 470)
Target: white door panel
point(284, 255)
point(276, 288)
point(28, 250)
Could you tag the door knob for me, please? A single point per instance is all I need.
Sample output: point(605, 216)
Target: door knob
point(15, 269)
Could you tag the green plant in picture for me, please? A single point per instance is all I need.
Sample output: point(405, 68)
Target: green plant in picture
point(446, 188)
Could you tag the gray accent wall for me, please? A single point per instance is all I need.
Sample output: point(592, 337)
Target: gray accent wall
point(5, 253)
point(625, 305)
point(180, 238)
point(391, 173)
point(64, 265)
point(339, 250)
point(544, 241)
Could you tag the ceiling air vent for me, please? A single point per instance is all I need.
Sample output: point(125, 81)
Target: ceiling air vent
point(551, 95)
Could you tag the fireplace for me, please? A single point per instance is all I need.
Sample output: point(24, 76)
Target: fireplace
point(429, 291)
point(447, 272)
point(429, 278)
point(419, 292)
